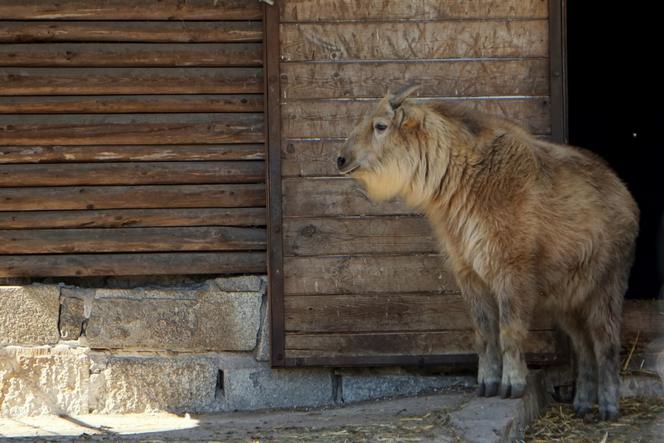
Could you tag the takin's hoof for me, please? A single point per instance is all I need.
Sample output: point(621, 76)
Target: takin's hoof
point(488, 389)
point(582, 410)
point(609, 413)
point(512, 390)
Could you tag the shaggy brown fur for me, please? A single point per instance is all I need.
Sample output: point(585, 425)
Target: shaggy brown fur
point(523, 221)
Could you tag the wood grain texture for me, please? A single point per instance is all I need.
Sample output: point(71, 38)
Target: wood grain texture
point(362, 10)
point(110, 153)
point(529, 77)
point(135, 218)
point(130, 54)
point(130, 129)
point(90, 104)
point(385, 312)
point(399, 343)
point(307, 158)
point(130, 10)
point(81, 81)
point(175, 263)
point(93, 240)
point(414, 40)
point(322, 197)
point(336, 118)
point(117, 197)
point(360, 274)
point(128, 31)
point(143, 173)
point(358, 235)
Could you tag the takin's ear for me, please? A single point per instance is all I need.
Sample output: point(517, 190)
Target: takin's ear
point(402, 94)
point(407, 118)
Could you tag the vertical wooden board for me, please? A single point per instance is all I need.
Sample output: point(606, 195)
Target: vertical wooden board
point(414, 40)
point(322, 197)
point(362, 10)
point(527, 77)
point(358, 235)
point(336, 118)
point(360, 274)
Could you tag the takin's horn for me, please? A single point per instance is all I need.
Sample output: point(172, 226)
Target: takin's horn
point(402, 94)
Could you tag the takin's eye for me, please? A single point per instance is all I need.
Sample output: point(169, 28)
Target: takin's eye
point(380, 127)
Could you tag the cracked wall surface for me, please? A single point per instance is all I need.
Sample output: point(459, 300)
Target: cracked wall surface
point(178, 346)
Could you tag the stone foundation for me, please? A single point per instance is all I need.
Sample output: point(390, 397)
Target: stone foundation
point(193, 346)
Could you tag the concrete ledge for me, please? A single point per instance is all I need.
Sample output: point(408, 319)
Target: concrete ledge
point(500, 420)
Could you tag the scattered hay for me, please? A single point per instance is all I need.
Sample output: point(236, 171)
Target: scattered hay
point(641, 420)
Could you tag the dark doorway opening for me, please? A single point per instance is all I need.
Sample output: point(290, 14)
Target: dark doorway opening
point(615, 111)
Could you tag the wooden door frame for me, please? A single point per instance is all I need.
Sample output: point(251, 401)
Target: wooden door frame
point(271, 48)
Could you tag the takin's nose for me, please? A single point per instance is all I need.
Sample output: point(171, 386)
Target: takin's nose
point(341, 161)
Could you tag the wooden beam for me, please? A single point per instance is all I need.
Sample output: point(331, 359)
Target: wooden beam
point(93, 240)
point(142, 173)
point(174, 263)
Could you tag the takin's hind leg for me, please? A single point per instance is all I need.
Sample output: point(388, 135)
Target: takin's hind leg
point(586, 369)
point(484, 315)
point(604, 322)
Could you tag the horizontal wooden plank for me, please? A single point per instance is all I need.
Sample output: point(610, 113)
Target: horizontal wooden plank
point(127, 31)
point(306, 158)
point(56, 154)
point(322, 197)
point(131, 10)
point(336, 118)
point(367, 274)
point(116, 197)
point(175, 263)
point(414, 40)
point(131, 104)
point(131, 54)
point(137, 218)
point(80, 81)
point(385, 312)
point(399, 343)
point(362, 10)
point(143, 173)
point(301, 80)
point(67, 241)
point(131, 129)
point(358, 235)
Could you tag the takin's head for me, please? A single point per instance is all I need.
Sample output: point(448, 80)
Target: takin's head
point(385, 150)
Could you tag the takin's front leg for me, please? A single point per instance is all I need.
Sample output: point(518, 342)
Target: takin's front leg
point(484, 314)
point(516, 296)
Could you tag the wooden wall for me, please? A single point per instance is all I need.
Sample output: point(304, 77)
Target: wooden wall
point(364, 283)
point(131, 137)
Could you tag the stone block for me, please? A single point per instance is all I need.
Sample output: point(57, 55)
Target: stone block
point(245, 283)
point(199, 319)
point(261, 387)
point(72, 317)
point(369, 387)
point(129, 384)
point(263, 345)
point(43, 380)
point(29, 314)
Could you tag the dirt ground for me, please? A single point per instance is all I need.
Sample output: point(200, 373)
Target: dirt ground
point(641, 420)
